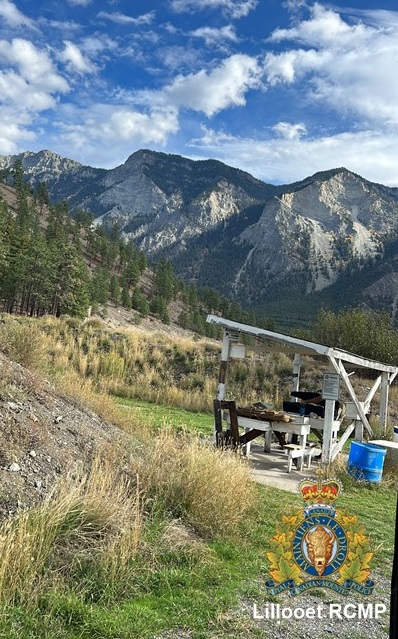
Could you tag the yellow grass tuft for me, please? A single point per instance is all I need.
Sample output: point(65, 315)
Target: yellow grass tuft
point(210, 489)
point(98, 515)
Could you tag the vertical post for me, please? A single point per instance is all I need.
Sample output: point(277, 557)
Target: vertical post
point(384, 401)
point(221, 390)
point(327, 432)
point(394, 586)
point(222, 378)
point(296, 373)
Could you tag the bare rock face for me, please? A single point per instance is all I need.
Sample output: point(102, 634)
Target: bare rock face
point(223, 228)
point(321, 230)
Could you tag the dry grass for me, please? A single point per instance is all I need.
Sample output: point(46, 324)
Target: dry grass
point(88, 532)
point(208, 488)
point(134, 364)
point(22, 341)
point(83, 392)
point(97, 516)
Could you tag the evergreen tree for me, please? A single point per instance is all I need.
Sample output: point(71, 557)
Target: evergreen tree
point(164, 280)
point(42, 196)
point(71, 295)
point(99, 286)
point(159, 308)
point(139, 302)
point(114, 290)
point(125, 298)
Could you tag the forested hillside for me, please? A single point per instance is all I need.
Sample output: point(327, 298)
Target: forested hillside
point(53, 264)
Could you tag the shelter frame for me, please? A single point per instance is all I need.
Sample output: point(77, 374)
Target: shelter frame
point(332, 359)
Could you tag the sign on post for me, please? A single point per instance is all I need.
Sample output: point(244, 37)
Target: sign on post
point(331, 386)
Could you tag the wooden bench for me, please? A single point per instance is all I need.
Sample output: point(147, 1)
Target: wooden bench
point(294, 451)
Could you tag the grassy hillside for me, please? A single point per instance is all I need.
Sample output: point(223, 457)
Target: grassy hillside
point(160, 535)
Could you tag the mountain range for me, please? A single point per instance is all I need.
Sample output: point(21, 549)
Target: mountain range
point(331, 239)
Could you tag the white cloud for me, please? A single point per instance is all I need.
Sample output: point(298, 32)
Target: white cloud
point(223, 87)
point(29, 84)
point(13, 16)
point(34, 66)
point(97, 44)
point(75, 60)
point(13, 129)
point(121, 18)
point(105, 133)
point(347, 67)
point(290, 131)
point(234, 8)
point(324, 27)
point(371, 154)
point(213, 36)
point(178, 57)
point(15, 88)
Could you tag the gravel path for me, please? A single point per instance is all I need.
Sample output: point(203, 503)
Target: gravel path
point(325, 604)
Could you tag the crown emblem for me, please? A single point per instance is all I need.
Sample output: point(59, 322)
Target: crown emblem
point(320, 491)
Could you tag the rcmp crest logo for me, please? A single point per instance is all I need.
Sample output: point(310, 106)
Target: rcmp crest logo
point(319, 547)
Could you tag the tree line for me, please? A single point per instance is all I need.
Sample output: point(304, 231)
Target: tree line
point(53, 264)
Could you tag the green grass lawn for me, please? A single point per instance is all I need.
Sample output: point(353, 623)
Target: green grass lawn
point(181, 589)
point(198, 593)
point(178, 418)
point(195, 591)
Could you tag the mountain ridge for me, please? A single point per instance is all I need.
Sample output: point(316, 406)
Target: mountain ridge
point(222, 227)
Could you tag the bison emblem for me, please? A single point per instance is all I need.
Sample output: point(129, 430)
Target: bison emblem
point(320, 548)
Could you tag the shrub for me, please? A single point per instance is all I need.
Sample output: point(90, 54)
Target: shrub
point(23, 342)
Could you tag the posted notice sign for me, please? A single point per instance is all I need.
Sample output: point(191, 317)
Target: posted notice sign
point(331, 386)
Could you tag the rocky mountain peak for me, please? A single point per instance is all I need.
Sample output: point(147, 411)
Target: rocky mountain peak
point(224, 228)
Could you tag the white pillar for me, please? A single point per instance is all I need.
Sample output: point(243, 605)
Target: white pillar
point(384, 402)
point(222, 378)
point(327, 432)
point(296, 373)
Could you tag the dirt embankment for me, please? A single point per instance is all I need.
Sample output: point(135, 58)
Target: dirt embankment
point(43, 436)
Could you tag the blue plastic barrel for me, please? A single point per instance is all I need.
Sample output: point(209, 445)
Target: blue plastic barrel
point(366, 461)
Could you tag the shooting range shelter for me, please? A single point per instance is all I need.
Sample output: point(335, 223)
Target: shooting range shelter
point(338, 365)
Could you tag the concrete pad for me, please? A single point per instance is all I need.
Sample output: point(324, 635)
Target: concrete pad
point(271, 468)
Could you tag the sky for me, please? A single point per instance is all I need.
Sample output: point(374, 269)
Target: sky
point(281, 89)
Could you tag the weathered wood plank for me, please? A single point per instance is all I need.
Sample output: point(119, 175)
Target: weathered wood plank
point(249, 436)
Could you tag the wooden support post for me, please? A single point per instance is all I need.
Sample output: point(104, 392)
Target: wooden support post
point(233, 433)
point(218, 434)
point(371, 394)
point(296, 373)
point(339, 445)
point(358, 430)
point(327, 432)
point(339, 368)
point(222, 378)
point(221, 391)
point(384, 402)
point(250, 435)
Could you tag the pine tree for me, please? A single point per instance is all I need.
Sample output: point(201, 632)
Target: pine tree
point(164, 280)
point(114, 290)
point(99, 286)
point(159, 308)
point(139, 302)
point(71, 295)
point(125, 298)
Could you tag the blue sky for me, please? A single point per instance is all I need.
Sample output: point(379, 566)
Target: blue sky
point(279, 89)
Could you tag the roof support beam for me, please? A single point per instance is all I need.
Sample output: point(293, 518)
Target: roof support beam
point(339, 368)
